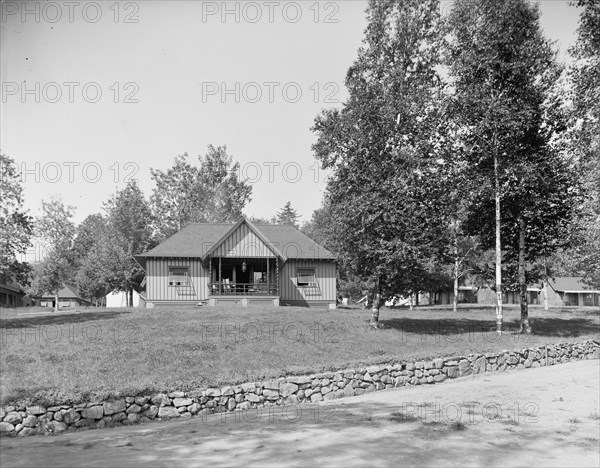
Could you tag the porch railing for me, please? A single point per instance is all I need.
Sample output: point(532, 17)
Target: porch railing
point(243, 289)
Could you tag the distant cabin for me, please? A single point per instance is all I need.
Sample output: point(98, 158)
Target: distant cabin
point(562, 291)
point(571, 291)
point(67, 297)
point(11, 294)
point(242, 263)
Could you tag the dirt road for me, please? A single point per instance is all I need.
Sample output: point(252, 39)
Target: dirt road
point(536, 417)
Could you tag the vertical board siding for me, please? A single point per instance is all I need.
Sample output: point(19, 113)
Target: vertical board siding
point(158, 288)
point(243, 242)
point(158, 280)
point(325, 273)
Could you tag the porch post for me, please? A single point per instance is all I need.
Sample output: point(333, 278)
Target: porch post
point(268, 278)
point(210, 276)
point(220, 276)
point(276, 276)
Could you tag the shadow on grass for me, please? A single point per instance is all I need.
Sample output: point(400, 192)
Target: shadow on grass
point(59, 319)
point(564, 327)
point(543, 326)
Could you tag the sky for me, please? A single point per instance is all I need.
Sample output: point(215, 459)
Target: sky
point(97, 93)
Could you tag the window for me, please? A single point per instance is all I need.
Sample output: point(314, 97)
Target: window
point(178, 276)
point(588, 299)
point(306, 277)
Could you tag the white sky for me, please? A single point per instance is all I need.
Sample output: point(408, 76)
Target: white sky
point(173, 57)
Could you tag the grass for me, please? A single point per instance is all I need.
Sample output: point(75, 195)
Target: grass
point(510, 421)
point(457, 426)
point(91, 353)
point(399, 417)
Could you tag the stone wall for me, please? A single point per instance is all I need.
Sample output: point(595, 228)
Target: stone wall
point(28, 419)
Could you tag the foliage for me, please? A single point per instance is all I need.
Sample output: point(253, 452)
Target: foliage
point(124, 231)
point(92, 234)
point(51, 274)
point(288, 215)
point(56, 231)
point(352, 286)
point(88, 234)
point(387, 222)
point(261, 220)
point(319, 226)
point(583, 144)
point(108, 266)
point(210, 192)
point(503, 70)
point(16, 226)
point(55, 226)
point(129, 234)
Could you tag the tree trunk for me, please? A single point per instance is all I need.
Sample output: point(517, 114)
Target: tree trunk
point(456, 265)
point(130, 297)
point(376, 304)
point(410, 301)
point(498, 250)
point(56, 301)
point(522, 281)
point(545, 285)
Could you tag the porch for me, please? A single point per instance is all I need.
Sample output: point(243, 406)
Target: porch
point(243, 277)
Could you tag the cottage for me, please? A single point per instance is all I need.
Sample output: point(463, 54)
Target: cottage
point(571, 291)
point(561, 291)
point(67, 297)
point(11, 294)
point(240, 263)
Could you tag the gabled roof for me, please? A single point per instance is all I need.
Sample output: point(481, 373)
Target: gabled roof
point(194, 240)
point(233, 228)
point(66, 292)
point(292, 243)
point(570, 284)
point(197, 240)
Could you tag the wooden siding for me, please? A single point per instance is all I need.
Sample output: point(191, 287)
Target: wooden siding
point(158, 288)
point(157, 285)
point(325, 272)
point(243, 243)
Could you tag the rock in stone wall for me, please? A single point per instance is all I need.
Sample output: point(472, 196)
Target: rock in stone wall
point(28, 419)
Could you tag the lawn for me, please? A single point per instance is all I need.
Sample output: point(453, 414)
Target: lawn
point(96, 353)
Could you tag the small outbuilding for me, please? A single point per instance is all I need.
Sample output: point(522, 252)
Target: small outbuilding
point(120, 299)
point(67, 297)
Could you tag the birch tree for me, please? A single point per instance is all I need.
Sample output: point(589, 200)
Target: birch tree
point(387, 221)
point(503, 68)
